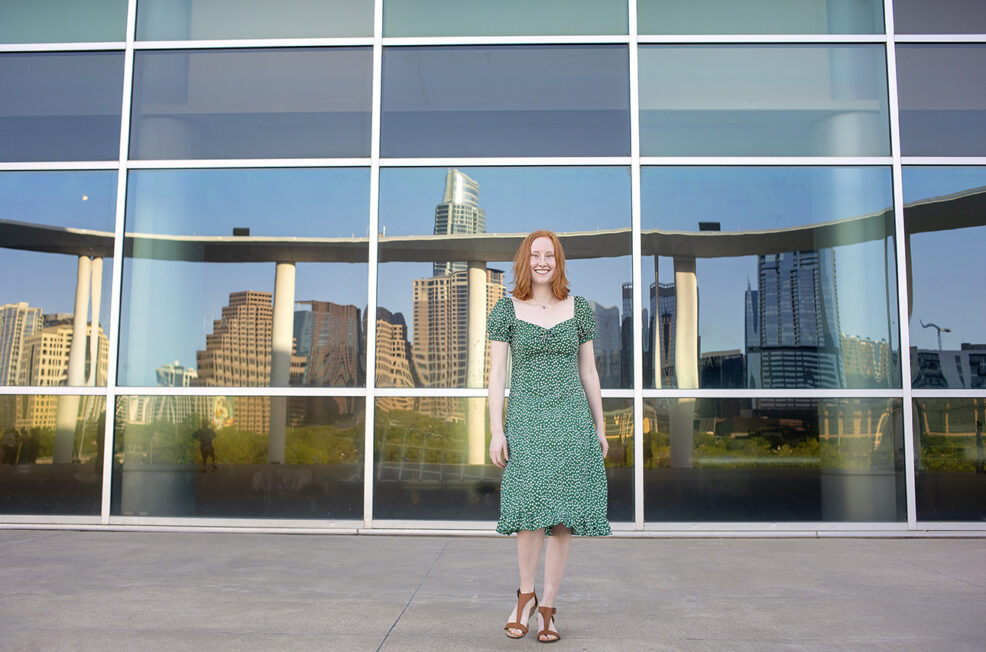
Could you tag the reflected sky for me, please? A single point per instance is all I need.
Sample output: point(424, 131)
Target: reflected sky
point(948, 271)
point(761, 198)
point(516, 200)
point(82, 200)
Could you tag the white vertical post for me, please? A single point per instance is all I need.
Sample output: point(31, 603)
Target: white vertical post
point(280, 358)
point(67, 412)
point(685, 360)
point(95, 291)
point(476, 362)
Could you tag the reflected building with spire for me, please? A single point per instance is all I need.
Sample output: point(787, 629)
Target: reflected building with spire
point(459, 213)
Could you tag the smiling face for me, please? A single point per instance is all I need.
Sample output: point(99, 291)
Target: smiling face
point(542, 261)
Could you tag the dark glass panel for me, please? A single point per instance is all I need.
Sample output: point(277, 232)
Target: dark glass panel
point(763, 100)
point(945, 222)
point(950, 464)
point(59, 106)
point(542, 100)
point(939, 17)
point(165, 20)
point(759, 17)
point(503, 18)
point(284, 103)
point(62, 21)
point(771, 277)
point(239, 457)
point(776, 460)
point(206, 250)
point(52, 454)
point(59, 226)
point(429, 215)
point(942, 91)
point(432, 459)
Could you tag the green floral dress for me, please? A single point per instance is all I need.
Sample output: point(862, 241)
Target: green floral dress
point(555, 473)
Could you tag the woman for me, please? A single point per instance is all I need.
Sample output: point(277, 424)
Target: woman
point(554, 443)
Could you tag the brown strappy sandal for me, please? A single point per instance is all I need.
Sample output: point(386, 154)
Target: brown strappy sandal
point(522, 600)
point(547, 614)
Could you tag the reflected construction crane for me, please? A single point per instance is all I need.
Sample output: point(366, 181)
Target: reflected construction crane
point(937, 328)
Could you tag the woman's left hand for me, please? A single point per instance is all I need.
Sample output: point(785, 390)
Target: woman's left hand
point(603, 443)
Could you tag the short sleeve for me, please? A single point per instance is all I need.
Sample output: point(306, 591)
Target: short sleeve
point(585, 318)
point(500, 322)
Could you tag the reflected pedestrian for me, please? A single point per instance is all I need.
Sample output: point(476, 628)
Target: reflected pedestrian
point(206, 435)
point(553, 446)
point(9, 443)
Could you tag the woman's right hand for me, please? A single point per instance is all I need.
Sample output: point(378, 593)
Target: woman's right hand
point(498, 450)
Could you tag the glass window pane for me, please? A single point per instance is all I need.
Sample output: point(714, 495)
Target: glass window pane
point(62, 21)
point(776, 277)
point(239, 457)
point(251, 103)
point(759, 17)
point(550, 100)
point(431, 459)
point(52, 454)
point(58, 225)
point(945, 220)
point(503, 18)
point(165, 20)
point(60, 106)
point(942, 92)
point(773, 460)
point(423, 328)
point(950, 461)
point(939, 17)
point(771, 100)
point(214, 255)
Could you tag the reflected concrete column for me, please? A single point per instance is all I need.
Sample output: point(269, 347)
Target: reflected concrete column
point(95, 292)
point(656, 344)
point(67, 412)
point(682, 417)
point(476, 362)
point(280, 358)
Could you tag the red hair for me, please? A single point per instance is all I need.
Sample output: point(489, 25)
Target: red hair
point(522, 267)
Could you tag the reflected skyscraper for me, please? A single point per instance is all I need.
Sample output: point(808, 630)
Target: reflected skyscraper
point(792, 322)
point(866, 362)
point(238, 352)
point(607, 346)
point(334, 347)
point(393, 359)
point(663, 305)
point(18, 321)
point(459, 213)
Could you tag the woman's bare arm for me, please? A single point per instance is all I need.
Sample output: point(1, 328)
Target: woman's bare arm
point(498, 383)
point(590, 384)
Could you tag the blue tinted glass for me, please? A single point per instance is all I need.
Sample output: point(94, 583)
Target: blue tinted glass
point(506, 101)
point(764, 100)
point(759, 17)
point(50, 224)
point(423, 271)
point(503, 18)
point(62, 21)
point(165, 20)
point(779, 277)
point(203, 248)
point(774, 460)
point(60, 107)
point(251, 103)
point(945, 220)
point(942, 94)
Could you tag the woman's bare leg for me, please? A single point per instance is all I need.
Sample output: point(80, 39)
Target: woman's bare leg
point(529, 546)
point(555, 558)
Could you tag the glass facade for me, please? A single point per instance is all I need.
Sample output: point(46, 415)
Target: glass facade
point(774, 210)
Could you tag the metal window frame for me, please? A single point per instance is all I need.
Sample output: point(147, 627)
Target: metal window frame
point(375, 163)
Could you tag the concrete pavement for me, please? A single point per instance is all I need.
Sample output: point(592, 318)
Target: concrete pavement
point(65, 590)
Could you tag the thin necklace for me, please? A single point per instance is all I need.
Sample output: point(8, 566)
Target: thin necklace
point(544, 306)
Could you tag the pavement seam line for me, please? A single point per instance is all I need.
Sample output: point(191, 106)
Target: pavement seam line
point(441, 554)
